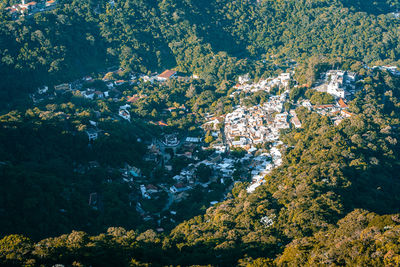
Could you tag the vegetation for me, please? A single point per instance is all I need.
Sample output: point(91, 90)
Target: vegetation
point(333, 201)
point(140, 35)
point(325, 192)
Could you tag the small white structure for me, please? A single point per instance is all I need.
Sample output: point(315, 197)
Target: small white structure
point(110, 85)
point(285, 79)
point(88, 94)
point(124, 114)
point(307, 104)
point(144, 192)
point(43, 89)
point(92, 134)
point(267, 221)
point(126, 106)
point(244, 78)
point(193, 139)
point(170, 140)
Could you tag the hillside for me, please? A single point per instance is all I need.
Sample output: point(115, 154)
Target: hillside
point(92, 167)
point(80, 37)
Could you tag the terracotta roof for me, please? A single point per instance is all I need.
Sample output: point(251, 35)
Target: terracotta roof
point(347, 113)
point(167, 74)
point(324, 106)
point(31, 3)
point(180, 185)
point(150, 186)
point(161, 123)
point(133, 98)
point(50, 2)
point(342, 104)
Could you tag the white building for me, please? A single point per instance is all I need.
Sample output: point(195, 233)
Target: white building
point(285, 79)
point(43, 89)
point(144, 192)
point(244, 78)
point(339, 81)
point(88, 94)
point(124, 114)
point(92, 134)
point(193, 139)
point(336, 89)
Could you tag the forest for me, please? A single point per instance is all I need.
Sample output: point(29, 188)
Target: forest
point(333, 201)
point(81, 37)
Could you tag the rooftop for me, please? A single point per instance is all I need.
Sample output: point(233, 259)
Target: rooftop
point(167, 74)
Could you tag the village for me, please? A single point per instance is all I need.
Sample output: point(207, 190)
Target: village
point(30, 8)
point(241, 146)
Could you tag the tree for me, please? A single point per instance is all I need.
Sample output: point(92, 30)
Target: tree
point(208, 139)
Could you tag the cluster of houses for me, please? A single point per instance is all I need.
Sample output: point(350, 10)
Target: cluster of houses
point(30, 8)
point(221, 168)
point(112, 93)
point(244, 85)
point(337, 112)
point(392, 69)
point(148, 191)
point(245, 127)
point(134, 77)
point(341, 85)
point(137, 77)
point(111, 84)
point(212, 125)
point(263, 164)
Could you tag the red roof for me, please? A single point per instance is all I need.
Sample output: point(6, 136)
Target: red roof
point(161, 123)
point(180, 185)
point(342, 104)
point(133, 98)
point(31, 3)
point(347, 113)
point(167, 74)
point(324, 106)
point(150, 186)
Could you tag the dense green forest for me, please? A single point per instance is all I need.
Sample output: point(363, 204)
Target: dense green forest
point(334, 200)
point(214, 39)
